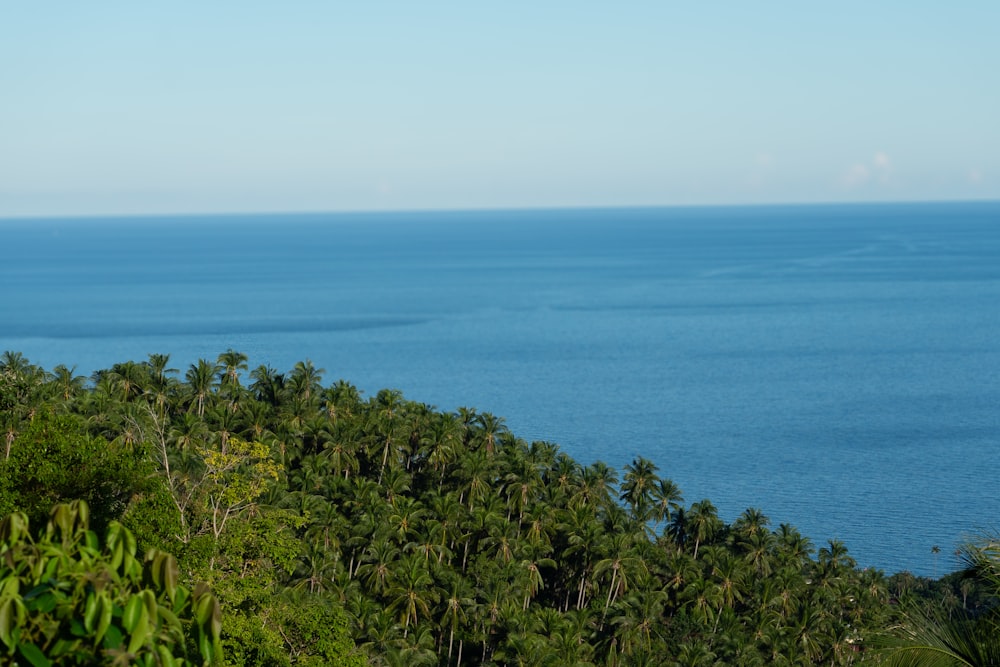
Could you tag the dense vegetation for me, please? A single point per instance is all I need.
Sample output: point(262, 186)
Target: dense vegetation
point(335, 529)
point(68, 599)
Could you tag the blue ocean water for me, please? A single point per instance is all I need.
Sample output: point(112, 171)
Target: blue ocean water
point(836, 366)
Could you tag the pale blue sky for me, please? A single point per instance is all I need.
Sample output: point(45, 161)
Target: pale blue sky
point(157, 107)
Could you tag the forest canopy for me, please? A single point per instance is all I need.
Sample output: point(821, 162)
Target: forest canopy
point(338, 529)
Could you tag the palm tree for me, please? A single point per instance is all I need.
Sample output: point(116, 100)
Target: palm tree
point(411, 591)
point(389, 405)
point(231, 362)
point(928, 639)
point(681, 570)
point(376, 569)
point(677, 530)
point(750, 522)
point(342, 454)
point(256, 417)
point(695, 654)
point(477, 472)
point(521, 484)
point(623, 562)
point(703, 523)
point(160, 380)
point(666, 499)
point(268, 384)
point(65, 384)
point(533, 558)
point(440, 444)
point(483, 522)
point(757, 551)
point(810, 633)
point(405, 517)
point(489, 431)
point(316, 570)
point(457, 602)
point(129, 378)
point(16, 364)
point(188, 431)
point(304, 380)
point(341, 399)
point(638, 486)
point(381, 633)
point(201, 381)
point(157, 364)
point(447, 516)
point(638, 620)
point(579, 527)
point(597, 482)
point(705, 599)
point(793, 548)
point(570, 647)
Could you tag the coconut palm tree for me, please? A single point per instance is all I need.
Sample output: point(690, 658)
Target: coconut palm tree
point(376, 569)
point(637, 488)
point(201, 379)
point(268, 384)
point(305, 380)
point(411, 591)
point(666, 499)
point(231, 363)
point(930, 639)
point(533, 558)
point(477, 474)
point(157, 364)
point(65, 385)
point(457, 602)
point(637, 620)
point(440, 445)
point(341, 400)
point(703, 523)
point(161, 383)
point(490, 429)
point(793, 547)
point(623, 562)
point(13, 362)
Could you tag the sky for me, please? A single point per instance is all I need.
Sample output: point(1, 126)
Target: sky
point(112, 108)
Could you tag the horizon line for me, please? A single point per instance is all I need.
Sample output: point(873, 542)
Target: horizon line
point(485, 209)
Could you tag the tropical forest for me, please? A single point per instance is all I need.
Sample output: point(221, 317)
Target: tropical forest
point(223, 514)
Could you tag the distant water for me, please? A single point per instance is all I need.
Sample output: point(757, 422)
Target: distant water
point(837, 367)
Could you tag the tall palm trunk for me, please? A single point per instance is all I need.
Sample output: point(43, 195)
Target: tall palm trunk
point(385, 457)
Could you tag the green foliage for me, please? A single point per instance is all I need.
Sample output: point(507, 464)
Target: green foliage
point(66, 598)
point(311, 631)
point(235, 475)
point(21, 391)
point(152, 516)
point(339, 530)
point(933, 635)
point(54, 460)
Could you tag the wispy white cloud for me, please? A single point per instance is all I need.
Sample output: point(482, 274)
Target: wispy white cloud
point(876, 170)
point(858, 174)
point(975, 176)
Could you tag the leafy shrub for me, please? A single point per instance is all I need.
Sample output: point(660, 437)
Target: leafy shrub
point(68, 599)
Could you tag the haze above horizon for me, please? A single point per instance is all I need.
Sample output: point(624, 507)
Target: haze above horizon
point(157, 108)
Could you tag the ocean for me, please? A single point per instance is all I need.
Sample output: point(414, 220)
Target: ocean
point(837, 367)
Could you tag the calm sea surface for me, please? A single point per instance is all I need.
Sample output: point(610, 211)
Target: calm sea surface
point(837, 367)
